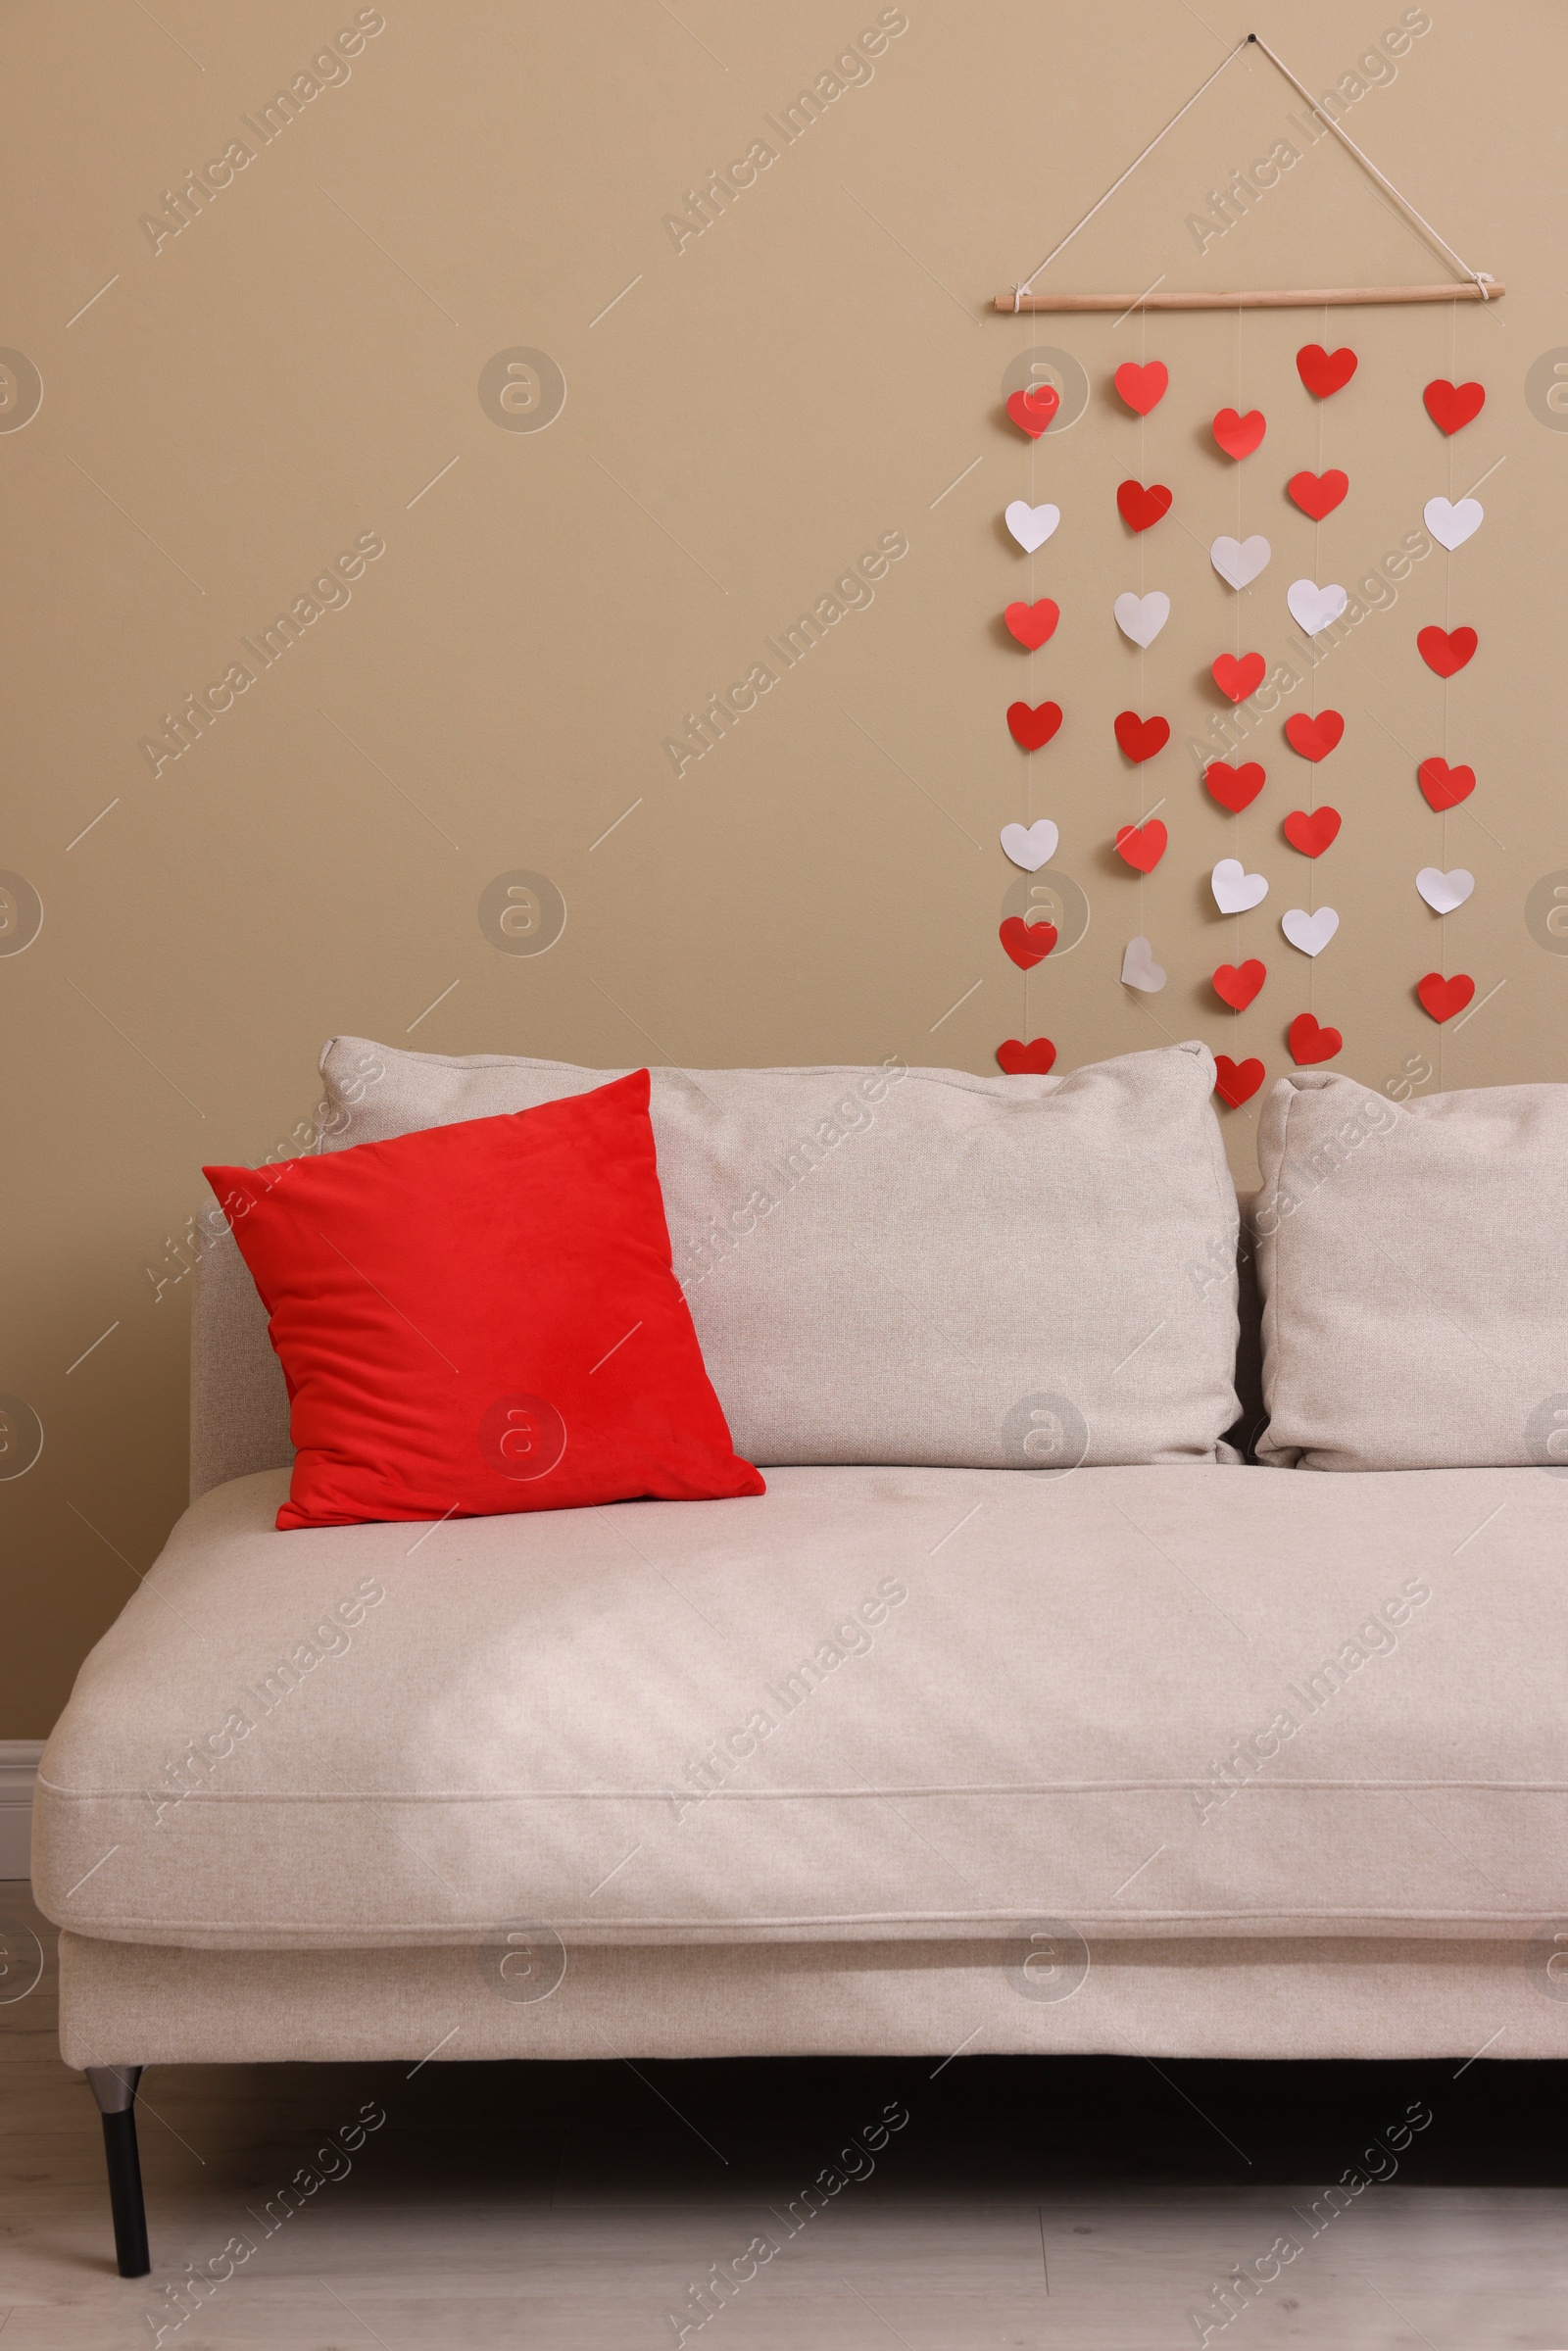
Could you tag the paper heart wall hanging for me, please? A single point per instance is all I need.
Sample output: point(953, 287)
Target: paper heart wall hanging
point(1238, 435)
point(1446, 650)
point(1032, 846)
point(1142, 388)
point(1235, 788)
point(1309, 1043)
point(1443, 786)
point(1033, 409)
point(1032, 728)
point(1237, 986)
point(1313, 607)
point(1314, 738)
point(1312, 831)
point(1239, 561)
point(1440, 999)
point(1139, 968)
point(1141, 738)
point(1142, 846)
point(1033, 623)
point(1037, 1058)
point(1451, 525)
point(1444, 892)
point(1027, 942)
point(1236, 890)
point(1142, 509)
point(1141, 618)
point(1031, 526)
point(1235, 1082)
point(1451, 407)
point(1325, 373)
point(1318, 494)
point(1309, 933)
point(1235, 677)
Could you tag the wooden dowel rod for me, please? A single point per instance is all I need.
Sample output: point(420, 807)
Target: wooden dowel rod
point(1299, 299)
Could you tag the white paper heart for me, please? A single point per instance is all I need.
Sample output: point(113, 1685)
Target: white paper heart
point(1451, 525)
point(1441, 891)
point(1030, 845)
point(1031, 526)
point(1312, 933)
point(1313, 607)
point(1139, 968)
point(1141, 618)
point(1239, 561)
point(1235, 889)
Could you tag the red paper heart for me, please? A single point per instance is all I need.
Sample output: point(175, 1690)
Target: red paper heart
point(1032, 409)
point(1445, 786)
point(1142, 388)
point(1024, 1060)
point(1141, 738)
point(1318, 494)
point(1235, 788)
point(1238, 678)
point(1238, 988)
point(1031, 728)
point(1325, 372)
point(1235, 1082)
point(1238, 435)
point(1314, 738)
point(1142, 845)
point(1452, 406)
point(1028, 943)
point(1446, 651)
point(1141, 508)
point(1313, 833)
point(1309, 1042)
point(1033, 623)
point(1441, 998)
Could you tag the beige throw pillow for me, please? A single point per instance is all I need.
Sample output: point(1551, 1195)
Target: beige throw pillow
point(1414, 1278)
point(916, 1265)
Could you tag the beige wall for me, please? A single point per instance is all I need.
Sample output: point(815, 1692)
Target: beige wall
point(768, 401)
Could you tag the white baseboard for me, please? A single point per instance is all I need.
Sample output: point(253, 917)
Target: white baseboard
point(19, 1771)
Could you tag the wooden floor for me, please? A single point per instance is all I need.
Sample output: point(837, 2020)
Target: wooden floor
point(1082, 2206)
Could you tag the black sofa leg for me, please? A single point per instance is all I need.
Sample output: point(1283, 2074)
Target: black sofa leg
point(114, 2088)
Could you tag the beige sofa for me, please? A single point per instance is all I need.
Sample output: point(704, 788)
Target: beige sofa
point(1180, 1757)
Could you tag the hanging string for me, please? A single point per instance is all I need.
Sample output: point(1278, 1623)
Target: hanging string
point(1028, 282)
point(1479, 279)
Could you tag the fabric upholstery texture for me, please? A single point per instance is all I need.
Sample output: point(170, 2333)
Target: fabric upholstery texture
point(920, 1266)
point(874, 1704)
point(1415, 1286)
point(481, 1318)
point(132, 2004)
point(239, 1419)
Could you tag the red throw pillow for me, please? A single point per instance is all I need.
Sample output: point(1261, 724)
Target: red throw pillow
point(483, 1318)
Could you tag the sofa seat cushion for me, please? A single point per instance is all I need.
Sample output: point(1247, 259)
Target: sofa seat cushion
point(874, 1702)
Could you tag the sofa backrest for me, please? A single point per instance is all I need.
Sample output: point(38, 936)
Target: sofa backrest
point(1254, 1415)
point(238, 1401)
point(914, 1288)
point(239, 1404)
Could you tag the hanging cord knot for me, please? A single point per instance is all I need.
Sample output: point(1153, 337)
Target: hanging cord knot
point(1018, 299)
point(1484, 279)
